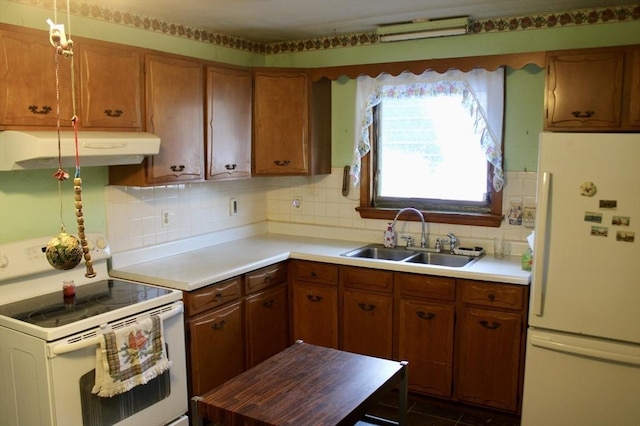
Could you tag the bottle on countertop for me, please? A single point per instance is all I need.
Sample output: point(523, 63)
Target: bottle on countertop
point(390, 237)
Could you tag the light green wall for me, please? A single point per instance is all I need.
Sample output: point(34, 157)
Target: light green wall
point(29, 202)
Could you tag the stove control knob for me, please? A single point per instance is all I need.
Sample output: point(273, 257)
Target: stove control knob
point(101, 243)
point(4, 261)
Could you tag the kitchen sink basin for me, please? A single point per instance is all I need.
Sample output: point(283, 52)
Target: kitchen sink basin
point(417, 255)
point(380, 252)
point(441, 259)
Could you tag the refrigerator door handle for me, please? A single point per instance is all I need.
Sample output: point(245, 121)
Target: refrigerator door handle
point(539, 249)
point(588, 352)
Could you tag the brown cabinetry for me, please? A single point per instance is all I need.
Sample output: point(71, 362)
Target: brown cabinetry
point(490, 346)
point(111, 86)
point(314, 292)
point(425, 330)
point(292, 123)
point(266, 313)
point(214, 321)
point(28, 80)
point(229, 105)
point(593, 90)
point(174, 112)
point(367, 311)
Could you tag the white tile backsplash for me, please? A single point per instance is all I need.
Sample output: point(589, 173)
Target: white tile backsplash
point(134, 214)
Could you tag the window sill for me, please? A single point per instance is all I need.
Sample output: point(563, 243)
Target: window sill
point(489, 220)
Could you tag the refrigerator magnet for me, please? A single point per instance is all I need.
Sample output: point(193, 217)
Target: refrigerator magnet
point(627, 237)
point(608, 204)
point(599, 231)
point(588, 189)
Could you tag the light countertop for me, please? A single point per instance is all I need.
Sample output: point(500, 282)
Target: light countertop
point(207, 262)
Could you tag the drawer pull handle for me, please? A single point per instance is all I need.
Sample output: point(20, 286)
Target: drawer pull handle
point(313, 298)
point(46, 109)
point(281, 163)
point(230, 166)
point(580, 114)
point(492, 297)
point(366, 306)
point(488, 326)
point(426, 315)
point(268, 303)
point(218, 325)
point(112, 113)
point(268, 278)
point(177, 168)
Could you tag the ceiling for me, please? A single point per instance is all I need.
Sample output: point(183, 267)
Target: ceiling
point(287, 20)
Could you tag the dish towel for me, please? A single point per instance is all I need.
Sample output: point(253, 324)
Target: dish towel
point(130, 356)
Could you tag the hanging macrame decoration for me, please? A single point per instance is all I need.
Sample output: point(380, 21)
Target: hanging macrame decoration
point(65, 251)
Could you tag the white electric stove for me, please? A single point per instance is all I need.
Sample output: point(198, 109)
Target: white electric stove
point(49, 341)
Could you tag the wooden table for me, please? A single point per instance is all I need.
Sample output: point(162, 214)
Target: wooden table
point(304, 385)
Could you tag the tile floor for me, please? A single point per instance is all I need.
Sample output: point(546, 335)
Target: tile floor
point(424, 411)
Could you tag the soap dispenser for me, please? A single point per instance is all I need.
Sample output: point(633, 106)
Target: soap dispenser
point(390, 236)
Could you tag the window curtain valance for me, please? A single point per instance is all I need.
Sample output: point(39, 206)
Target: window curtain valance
point(477, 87)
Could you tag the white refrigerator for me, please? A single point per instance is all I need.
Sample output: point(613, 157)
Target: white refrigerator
point(583, 342)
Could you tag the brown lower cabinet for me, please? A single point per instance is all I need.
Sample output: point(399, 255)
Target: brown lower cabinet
point(266, 324)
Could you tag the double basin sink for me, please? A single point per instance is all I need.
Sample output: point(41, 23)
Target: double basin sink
point(411, 255)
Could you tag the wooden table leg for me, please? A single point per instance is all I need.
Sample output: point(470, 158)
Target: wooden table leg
point(403, 394)
point(196, 418)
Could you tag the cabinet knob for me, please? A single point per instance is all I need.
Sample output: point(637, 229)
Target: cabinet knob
point(113, 113)
point(366, 306)
point(218, 325)
point(230, 166)
point(314, 274)
point(491, 297)
point(425, 315)
point(488, 326)
point(281, 163)
point(268, 303)
point(177, 168)
point(313, 298)
point(46, 109)
point(581, 114)
point(218, 296)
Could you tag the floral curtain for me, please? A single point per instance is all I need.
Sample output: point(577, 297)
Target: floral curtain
point(477, 87)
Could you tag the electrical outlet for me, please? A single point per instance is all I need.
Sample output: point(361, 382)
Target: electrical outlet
point(167, 217)
point(297, 202)
point(233, 206)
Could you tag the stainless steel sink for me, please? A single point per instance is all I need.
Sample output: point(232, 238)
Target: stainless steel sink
point(441, 259)
point(401, 254)
point(379, 252)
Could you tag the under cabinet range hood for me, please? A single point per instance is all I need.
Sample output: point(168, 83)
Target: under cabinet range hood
point(26, 150)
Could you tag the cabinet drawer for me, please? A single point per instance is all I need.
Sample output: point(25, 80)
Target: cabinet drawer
point(314, 272)
point(211, 296)
point(367, 279)
point(265, 277)
point(493, 295)
point(415, 285)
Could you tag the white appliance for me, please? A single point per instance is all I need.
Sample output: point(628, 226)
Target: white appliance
point(49, 341)
point(583, 344)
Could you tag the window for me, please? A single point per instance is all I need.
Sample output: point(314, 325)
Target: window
point(432, 142)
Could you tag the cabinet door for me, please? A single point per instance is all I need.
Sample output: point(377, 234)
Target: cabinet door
point(280, 123)
point(584, 91)
point(489, 358)
point(367, 321)
point(315, 314)
point(266, 324)
point(111, 82)
point(229, 99)
point(28, 81)
point(174, 100)
point(633, 85)
point(426, 341)
point(215, 344)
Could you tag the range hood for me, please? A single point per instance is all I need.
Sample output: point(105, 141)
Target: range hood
point(26, 150)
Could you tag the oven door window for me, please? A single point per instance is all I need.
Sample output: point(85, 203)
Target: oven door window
point(99, 411)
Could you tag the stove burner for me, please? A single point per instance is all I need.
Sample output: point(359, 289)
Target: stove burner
point(56, 316)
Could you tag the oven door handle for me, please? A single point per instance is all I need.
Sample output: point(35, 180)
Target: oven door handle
point(63, 348)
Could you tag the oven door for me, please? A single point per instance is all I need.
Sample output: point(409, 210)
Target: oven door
point(158, 402)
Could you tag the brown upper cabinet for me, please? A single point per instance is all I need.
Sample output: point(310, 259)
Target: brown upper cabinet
point(111, 86)
point(593, 89)
point(229, 99)
point(174, 92)
point(28, 81)
point(292, 123)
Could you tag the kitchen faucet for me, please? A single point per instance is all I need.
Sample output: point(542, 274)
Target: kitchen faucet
point(453, 242)
point(423, 238)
